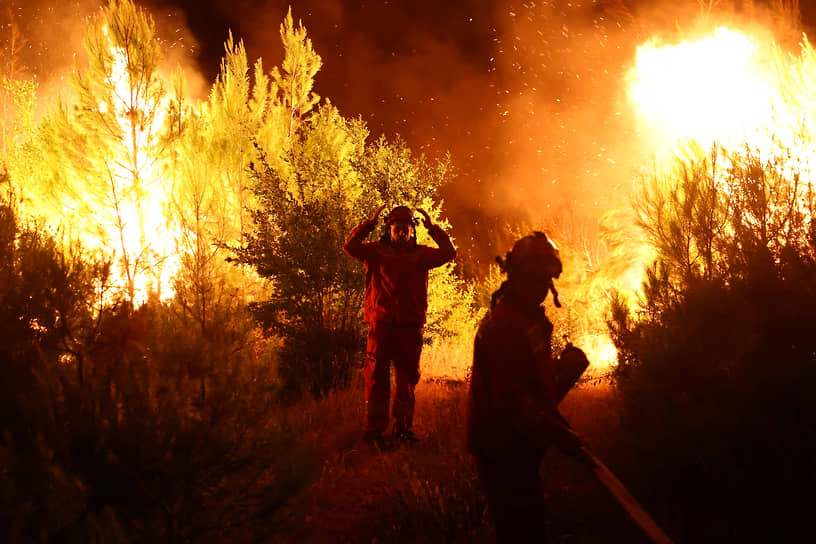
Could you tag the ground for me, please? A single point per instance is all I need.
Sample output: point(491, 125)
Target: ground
point(428, 491)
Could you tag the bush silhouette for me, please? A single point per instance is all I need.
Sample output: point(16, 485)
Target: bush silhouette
point(716, 366)
point(107, 432)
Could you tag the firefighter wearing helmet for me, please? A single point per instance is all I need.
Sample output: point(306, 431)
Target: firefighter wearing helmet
point(515, 388)
point(396, 300)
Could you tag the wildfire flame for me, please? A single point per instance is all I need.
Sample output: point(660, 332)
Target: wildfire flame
point(126, 216)
point(727, 89)
point(145, 232)
point(716, 89)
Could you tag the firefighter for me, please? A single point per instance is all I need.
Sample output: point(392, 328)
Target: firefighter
point(396, 300)
point(514, 392)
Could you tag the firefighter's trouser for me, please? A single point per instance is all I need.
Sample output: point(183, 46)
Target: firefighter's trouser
point(515, 497)
point(401, 345)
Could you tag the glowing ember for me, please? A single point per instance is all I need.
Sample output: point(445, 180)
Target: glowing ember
point(714, 89)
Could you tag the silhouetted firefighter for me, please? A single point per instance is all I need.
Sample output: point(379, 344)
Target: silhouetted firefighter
point(516, 385)
point(396, 300)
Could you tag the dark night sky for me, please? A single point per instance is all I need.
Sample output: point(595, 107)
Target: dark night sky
point(527, 96)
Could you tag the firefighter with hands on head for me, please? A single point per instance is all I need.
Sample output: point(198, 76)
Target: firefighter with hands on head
point(396, 301)
point(516, 385)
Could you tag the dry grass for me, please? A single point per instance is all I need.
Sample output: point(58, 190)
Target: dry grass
point(422, 492)
point(428, 492)
point(447, 359)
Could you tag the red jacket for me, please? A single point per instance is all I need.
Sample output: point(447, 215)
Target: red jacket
point(396, 289)
point(513, 399)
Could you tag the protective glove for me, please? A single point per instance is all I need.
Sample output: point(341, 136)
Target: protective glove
point(570, 444)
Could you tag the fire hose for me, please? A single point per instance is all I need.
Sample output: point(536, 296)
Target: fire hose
point(571, 364)
point(626, 500)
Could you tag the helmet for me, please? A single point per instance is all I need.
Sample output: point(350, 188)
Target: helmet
point(535, 245)
point(400, 213)
point(539, 251)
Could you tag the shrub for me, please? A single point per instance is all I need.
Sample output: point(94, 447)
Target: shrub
point(107, 431)
point(715, 367)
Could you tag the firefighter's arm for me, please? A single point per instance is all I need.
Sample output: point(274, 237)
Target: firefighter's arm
point(541, 405)
point(562, 436)
point(354, 245)
point(514, 382)
point(445, 251)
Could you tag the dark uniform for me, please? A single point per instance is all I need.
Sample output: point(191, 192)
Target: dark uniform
point(512, 416)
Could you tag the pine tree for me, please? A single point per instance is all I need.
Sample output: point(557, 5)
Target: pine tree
point(295, 79)
point(105, 155)
point(236, 111)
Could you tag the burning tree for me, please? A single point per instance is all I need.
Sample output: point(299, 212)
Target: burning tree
point(103, 161)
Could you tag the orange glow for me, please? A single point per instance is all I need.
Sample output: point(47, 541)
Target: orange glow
point(719, 88)
point(601, 353)
point(132, 225)
point(145, 233)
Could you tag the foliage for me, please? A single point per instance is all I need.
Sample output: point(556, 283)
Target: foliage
point(17, 95)
point(17, 103)
point(295, 79)
point(100, 159)
point(119, 425)
point(17, 99)
point(234, 117)
point(310, 191)
point(716, 366)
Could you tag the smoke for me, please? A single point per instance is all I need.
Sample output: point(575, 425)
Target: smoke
point(567, 144)
point(49, 37)
point(52, 34)
point(529, 97)
point(180, 46)
point(567, 133)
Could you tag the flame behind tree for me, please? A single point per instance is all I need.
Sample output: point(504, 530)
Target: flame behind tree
point(713, 89)
point(706, 109)
point(104, 159)
point(736, 121)
point(725, 89)
point(733, 199)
